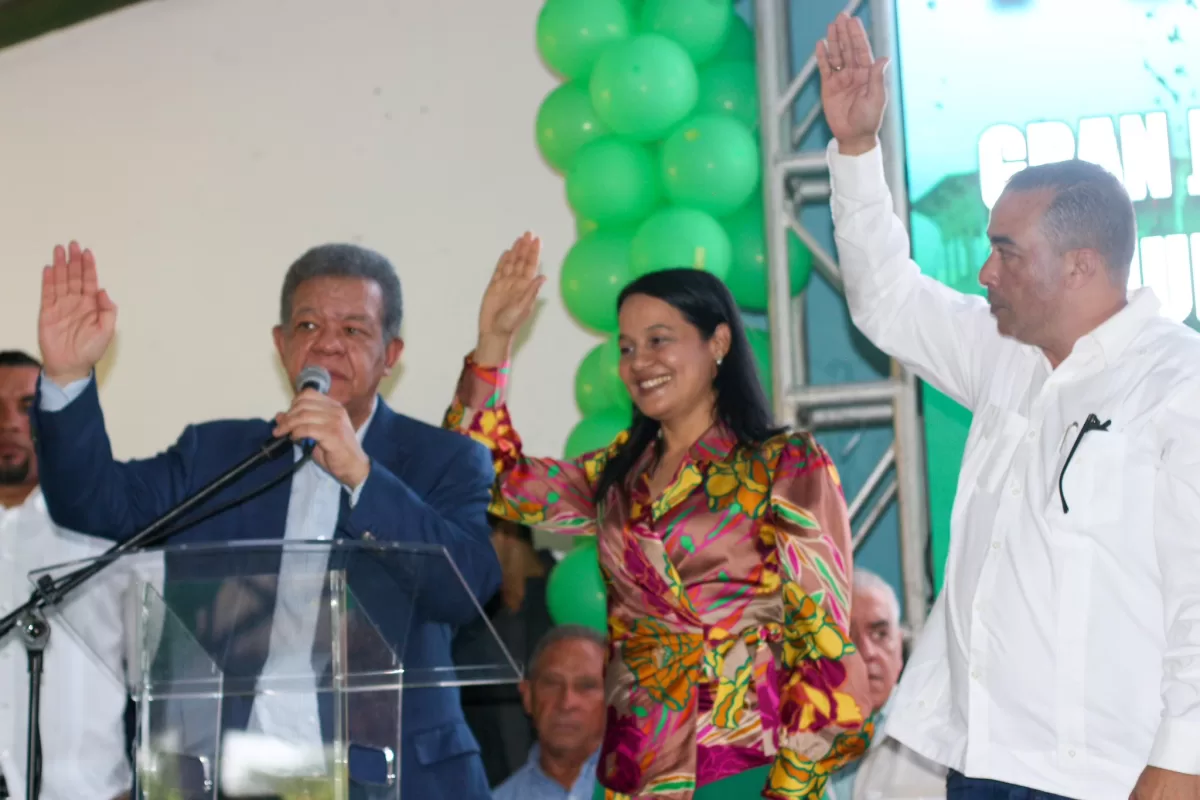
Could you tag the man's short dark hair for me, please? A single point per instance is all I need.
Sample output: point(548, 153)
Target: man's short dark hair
point(346, 261)
point(562, 633)
point(18, 358)
point(1090, 209)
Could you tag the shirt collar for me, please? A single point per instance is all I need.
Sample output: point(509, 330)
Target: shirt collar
point(35, 502)
point(887, 704)
point(1116, 333)
point(535, 763)
point(714, 445)
point(361, 433)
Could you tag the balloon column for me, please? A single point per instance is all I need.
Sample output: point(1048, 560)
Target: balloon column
point(655, 131)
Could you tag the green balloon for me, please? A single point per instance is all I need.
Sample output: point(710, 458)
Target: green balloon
point(747, 279)
point(760, 346)
point(613, 182)
point(711, 164)
point(575, 592)
point(596, 431)
point(644, 86)
point(681, 237)
point(739, 43)
point(571, 34)
point(566, 122)
point(730, 88)
point(598, 385)
point(701, 26)
point(594, 272)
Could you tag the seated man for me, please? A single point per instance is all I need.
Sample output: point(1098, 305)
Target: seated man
point(83, 754)
point(374, 475)
point(889, 770)
point(564, 694)
point(518, 615)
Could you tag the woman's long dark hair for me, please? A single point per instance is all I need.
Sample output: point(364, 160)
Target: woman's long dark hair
point(741, 404)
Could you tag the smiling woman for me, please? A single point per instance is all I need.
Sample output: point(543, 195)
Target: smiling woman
point(724, 544)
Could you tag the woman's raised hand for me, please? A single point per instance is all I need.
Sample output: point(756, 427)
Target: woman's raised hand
point(509, 299)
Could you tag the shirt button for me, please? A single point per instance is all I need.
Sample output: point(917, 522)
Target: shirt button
point(995, 545)
point(368, 536)
point(975, 674)
point(1071, 753)
point(1016, 490)
point(1031, 435)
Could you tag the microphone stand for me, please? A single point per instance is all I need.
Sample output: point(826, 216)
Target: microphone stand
point(31, 618)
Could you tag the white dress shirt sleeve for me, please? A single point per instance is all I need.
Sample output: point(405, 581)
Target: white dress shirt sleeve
point(356, 492)
point(944, 336)
point(1177, 542)
point(56, 398)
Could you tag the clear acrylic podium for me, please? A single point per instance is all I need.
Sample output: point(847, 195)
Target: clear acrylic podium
point(276, 669)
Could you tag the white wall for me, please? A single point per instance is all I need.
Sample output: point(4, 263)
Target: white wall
point(199, 146)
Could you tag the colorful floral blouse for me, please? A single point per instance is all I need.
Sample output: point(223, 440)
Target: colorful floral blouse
point(728, 603)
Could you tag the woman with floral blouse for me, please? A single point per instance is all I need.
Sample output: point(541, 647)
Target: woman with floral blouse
point(724, 544)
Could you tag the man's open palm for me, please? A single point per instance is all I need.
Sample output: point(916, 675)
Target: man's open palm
point(77, 317)
point(853, 94)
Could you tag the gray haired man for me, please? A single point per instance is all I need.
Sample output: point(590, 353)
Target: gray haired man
point(375, 475)
point(564, 694)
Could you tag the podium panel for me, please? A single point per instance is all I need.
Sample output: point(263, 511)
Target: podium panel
point(277, 668)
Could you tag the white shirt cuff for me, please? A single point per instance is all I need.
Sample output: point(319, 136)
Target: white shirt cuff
point(56, 398)
point(1175, 746)
point(356, 492)
point(859, 178)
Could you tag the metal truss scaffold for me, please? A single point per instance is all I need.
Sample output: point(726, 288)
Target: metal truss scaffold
point(792, 179)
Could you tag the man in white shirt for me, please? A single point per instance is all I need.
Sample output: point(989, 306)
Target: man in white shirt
point(83, 704)
point(1063, 655)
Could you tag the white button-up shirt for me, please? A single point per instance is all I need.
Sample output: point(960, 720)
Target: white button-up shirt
point(312, 515)
point(83, 702)
point(1064, 651)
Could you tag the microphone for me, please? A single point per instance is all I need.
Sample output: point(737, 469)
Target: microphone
point(313, 378)
point(317, 379)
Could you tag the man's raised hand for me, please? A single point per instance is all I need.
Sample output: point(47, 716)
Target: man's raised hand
point(853, 93)
point(77, 318)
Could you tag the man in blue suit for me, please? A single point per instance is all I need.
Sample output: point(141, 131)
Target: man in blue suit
point(374, 475)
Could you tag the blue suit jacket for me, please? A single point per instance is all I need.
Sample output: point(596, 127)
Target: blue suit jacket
point(426, 485)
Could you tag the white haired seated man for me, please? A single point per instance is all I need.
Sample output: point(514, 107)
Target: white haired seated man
point(889, 769)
